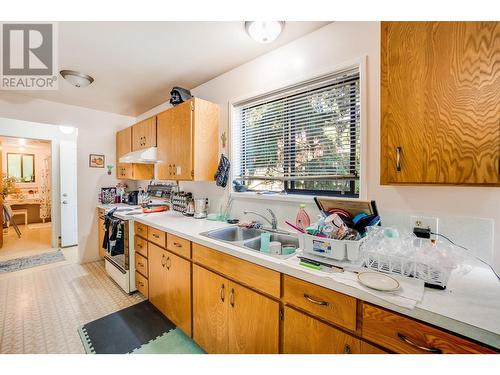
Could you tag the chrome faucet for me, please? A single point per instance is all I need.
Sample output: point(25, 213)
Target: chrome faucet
point(273, 221)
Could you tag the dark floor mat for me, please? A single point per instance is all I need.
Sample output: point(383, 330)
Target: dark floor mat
point(125, 330)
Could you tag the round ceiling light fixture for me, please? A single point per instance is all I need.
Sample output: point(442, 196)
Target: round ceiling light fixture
point(264, 31)
point(77, 79)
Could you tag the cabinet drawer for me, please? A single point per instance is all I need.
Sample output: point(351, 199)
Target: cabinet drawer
point(179, 245)
point(141, 246)
point(141, 229)
point(141, 283)
point(156, 236)
point(247, 273)
point(141, 265)
point(306, 335)
point(405, 335)
point(325, 303)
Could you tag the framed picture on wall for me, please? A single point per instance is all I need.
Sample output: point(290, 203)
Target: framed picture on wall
point(96, 161)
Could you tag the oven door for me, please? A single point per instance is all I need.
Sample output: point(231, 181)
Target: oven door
point(117, 252)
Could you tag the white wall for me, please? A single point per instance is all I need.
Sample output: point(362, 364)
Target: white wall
point(96, 134)
point(326, 48)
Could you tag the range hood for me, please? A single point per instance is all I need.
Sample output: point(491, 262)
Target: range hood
point(146, 156)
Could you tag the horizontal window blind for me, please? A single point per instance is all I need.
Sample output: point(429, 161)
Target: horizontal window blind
point(305, 138)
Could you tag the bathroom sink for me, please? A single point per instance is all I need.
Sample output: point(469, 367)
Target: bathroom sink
point(254, 244)
point(233, 234)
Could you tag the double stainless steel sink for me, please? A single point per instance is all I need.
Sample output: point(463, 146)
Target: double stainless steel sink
point(250, 238)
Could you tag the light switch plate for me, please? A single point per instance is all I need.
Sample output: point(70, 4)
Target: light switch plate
point(425, 222)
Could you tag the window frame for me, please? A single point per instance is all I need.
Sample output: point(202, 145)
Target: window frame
point(22, 154)
point(360, 64)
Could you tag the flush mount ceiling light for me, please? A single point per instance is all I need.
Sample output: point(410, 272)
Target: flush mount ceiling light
point(264, 31)
point(77, 79)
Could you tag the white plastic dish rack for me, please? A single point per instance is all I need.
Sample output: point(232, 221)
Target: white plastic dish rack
point(407, 267)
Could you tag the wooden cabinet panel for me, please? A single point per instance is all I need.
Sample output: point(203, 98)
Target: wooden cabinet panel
point(144, 134)
point(100, 231)
point(141, 230)
point(370, 349)
point(253, 322)
point(175, 143)
point(257, 277)
point(440, 106)
point(156, 236)
point(179, 245)
point(210, 293)
point(179, 291)
point(141, 246)
point(404, 335)
point(306, 335)
point(335, 307)
point(188, 137)
point(158, 278)
point(206, 140)
point(123, 142)
point(141, 283)
point(141, 264)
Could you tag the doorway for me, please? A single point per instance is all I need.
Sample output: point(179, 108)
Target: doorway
point(27, 196)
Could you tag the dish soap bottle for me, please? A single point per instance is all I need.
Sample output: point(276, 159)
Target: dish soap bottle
point(303, 220)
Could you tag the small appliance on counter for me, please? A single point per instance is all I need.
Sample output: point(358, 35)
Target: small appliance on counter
point(200, 208)
point(133, 198)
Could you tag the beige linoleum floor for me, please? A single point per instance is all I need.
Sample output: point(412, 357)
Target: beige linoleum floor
point(34, 240)
point(41, 308)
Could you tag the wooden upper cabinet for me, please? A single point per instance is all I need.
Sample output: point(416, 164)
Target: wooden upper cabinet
point(124, 145)
point(144, 134)
point(188, 141)
point(440, 108)
point(123, 142)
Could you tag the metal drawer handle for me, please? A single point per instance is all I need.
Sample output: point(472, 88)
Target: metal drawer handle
point(347, 349)
point(170, 169)
point(169, 263)
point(398, 158)
point(140, 283)
point(177, 244)
point(156, 235)
point(222, 294)
point(139, 246)
point(424, 348)
point(231, 297)
point(162, 260)
point(140, 264)
point(315, 301)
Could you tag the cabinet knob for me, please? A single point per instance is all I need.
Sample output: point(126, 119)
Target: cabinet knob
point(174, 170)
point(168, 263)
point(398, 158)
point(222, 294)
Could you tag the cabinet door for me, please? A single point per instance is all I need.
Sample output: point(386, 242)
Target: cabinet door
point(210, 294)
point(175, 151)
point(125, 171)
point(157, 260)
point(253, 322)
point(306, 335)
point(144, 134)
point(179, 292)
point(440, 106)
point(123, 142)
point(100, 228)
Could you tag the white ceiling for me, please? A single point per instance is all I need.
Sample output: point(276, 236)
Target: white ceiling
point(135, 64)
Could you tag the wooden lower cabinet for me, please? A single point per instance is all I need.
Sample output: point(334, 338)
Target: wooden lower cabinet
point(230, 318)
point(100, 231)
point(157, 258)
point(170, 286)
point(210, 310)
point(306, 335)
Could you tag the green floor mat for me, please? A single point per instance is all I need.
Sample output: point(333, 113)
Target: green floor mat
point(173, 342)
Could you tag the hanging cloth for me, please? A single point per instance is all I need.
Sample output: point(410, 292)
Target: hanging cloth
point(222, 174)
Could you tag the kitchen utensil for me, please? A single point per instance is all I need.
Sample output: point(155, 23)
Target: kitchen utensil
point(151, 209)
point(200, 208)
point(378, 281)
point(295, 227)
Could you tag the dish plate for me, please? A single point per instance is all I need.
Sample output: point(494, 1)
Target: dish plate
point(378, 281)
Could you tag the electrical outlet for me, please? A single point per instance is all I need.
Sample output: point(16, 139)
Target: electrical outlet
point(425, 222)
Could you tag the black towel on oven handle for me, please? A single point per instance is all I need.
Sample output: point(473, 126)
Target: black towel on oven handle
point(222, 174)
